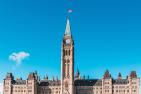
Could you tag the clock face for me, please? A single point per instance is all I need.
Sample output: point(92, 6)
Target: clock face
point(68, 41)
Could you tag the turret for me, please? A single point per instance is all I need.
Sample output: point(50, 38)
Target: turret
point(133, 74)
point(107, 82)
point(134, 82)
point(32, 82)
point(77, 75)
point(119, 76)
point(107, 75)
point(8, 83)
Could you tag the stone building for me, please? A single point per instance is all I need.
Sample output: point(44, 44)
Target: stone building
point(70, 84)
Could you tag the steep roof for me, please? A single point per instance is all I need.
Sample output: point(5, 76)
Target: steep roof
point(19, 82)
point(49, 83)
point(120, 81)
point(68, 29)
point(98, 82)
point(88, 82)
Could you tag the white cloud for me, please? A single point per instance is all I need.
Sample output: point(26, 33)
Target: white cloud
point(1, 88)
point(18, 57)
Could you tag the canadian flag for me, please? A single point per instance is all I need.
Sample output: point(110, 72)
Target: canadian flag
point(70, 11)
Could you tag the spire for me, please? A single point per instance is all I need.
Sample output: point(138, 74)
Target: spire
point(88, 77)
point(68, 30)
point(46, 77)
point(10, 76)
point(84, 77)
point(77, 74)
point(119, 76)
point(53, 78)
point(133, 74)
point(107, 74)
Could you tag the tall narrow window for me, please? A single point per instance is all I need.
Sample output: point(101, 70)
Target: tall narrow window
point(63, 52)
point(66, 53)
point(69, 52)
point(68, 69)
point(64, 68)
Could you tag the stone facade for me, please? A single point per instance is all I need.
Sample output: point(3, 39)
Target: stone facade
point(70, 84)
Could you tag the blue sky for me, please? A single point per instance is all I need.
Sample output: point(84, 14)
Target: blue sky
point(107, 35)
